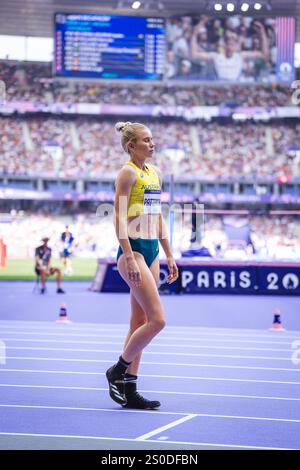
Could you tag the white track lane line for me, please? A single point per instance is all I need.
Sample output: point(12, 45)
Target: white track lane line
point(105, 410)
point(143, 437)
point(224, 366)
point(81, 327)
point(166, 392)
point(212, 338)
point(199, 415)
point(32, 348)
point(229, 356)
point(160, 353)
point(155, 343)
point(184, 377)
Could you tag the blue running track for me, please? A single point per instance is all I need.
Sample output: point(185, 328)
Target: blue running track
point(220, 388)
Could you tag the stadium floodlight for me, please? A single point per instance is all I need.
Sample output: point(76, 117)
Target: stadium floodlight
point(230, 6)
point(152, 5)
point(218, 6)
point(136, 5)
point(245, 6)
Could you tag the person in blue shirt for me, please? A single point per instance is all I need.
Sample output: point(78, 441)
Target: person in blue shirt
point(67, 240)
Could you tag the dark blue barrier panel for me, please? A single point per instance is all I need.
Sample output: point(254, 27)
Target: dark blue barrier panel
point(113, 282)
point(282, 280)
point(223, 279)
point(219, 278)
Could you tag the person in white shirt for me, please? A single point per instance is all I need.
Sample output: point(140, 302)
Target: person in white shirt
point(230, 61)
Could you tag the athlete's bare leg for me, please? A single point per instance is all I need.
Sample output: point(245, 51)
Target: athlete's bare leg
point(139, 318)
point(147, 297)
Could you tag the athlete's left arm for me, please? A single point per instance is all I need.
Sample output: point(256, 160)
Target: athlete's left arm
point(163, 234)
point(163, 237)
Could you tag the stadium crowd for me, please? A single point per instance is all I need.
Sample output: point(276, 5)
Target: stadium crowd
point(271, 237)
point(34, 83)
point(90, 147)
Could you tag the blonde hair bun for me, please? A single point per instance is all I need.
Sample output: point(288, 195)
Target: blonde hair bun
point(121, 125)
point(129, 132)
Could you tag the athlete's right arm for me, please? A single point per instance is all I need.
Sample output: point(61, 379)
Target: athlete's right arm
point(124, 182)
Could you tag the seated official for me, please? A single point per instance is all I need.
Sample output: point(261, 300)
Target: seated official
point(43, 266)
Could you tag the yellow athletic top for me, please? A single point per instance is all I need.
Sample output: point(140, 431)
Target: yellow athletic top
point(145, 195)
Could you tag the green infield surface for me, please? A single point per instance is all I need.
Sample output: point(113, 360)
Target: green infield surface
point(23, 269)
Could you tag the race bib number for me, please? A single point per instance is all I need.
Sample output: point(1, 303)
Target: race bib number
point(152, 204)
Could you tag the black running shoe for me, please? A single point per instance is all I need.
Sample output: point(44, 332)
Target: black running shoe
point(135, 400)
point(59, 290)
point(43, 290)
point(116, 388)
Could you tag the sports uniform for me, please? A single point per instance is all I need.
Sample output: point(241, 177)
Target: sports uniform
point(145, 198)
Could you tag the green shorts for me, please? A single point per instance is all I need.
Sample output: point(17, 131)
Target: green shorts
point(148, 248)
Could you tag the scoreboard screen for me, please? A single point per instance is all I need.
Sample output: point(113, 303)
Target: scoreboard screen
point(108, 46)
